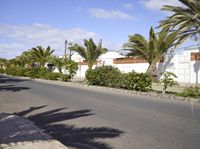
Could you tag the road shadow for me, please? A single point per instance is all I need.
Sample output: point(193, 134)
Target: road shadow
point(7, 87)
point(14, 129)
point(6, 79)
point(31, 109)
point(70, 135)
point(12, 88)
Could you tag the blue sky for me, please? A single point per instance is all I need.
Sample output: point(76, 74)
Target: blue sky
point(28, 23)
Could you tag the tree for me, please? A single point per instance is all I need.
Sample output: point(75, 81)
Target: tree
point(64, 62)
point(58, 62)
point(41, 55)
point(72, 67)
point(27, 58)
point(14, 62)
point(90, 52)
point(153, 49)
point(3, 63)
point(184, 20)
point(22, 60)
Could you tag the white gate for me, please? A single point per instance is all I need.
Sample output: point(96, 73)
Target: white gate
point(184, 73)
point(184, 68)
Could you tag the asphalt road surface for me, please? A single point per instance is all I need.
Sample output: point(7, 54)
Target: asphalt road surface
point(87, 119)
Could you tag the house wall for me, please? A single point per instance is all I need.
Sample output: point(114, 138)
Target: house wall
point(82, 70)
point(138, 67)
point(186, 66)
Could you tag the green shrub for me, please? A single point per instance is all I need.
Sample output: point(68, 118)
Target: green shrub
point(104, 76)
point(14, 71)
point(2, 70)
point(137, 81)
point(36, 72)
point(191, 92)
point(43, 72)
point(168, 80)
point(51, 76)
point(32, 73)
point(112, 77)
point(64, 77)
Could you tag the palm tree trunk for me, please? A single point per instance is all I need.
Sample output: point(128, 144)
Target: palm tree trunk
point(152, 71)
point(90, 64)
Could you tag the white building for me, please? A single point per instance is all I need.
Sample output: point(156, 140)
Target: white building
point(104, 59)
point(185, 65)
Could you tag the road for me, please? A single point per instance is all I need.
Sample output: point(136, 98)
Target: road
point(88, 119)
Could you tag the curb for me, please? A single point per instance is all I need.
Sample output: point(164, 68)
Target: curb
point(120, 91)
point(20, 133)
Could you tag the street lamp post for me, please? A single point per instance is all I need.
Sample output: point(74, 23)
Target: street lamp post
point(65, 49)
point(70, 54)
point(70, 58)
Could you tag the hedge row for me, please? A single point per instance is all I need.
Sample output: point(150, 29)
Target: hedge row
point(35, 72)
point(112, 77)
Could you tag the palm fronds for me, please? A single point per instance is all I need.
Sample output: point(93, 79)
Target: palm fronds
point(184, 20)
point(90, 52)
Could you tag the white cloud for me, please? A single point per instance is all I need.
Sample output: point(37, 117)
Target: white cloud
point(45, 33)
point(128, 5)
point(14, 39)
point(109, 14)
point(23, 37)
point(157, 4)
point(112, 45)
point(10, 50)
point(2, 50)
point(6, 47)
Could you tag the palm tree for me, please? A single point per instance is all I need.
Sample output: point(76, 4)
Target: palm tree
point(90, 52)
point(20, 61)
point(14, 62)
point(153, 49)
point(24, 59)
point(185, 20)
point(41, 55)
point(58, 62)
point(27, 58)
